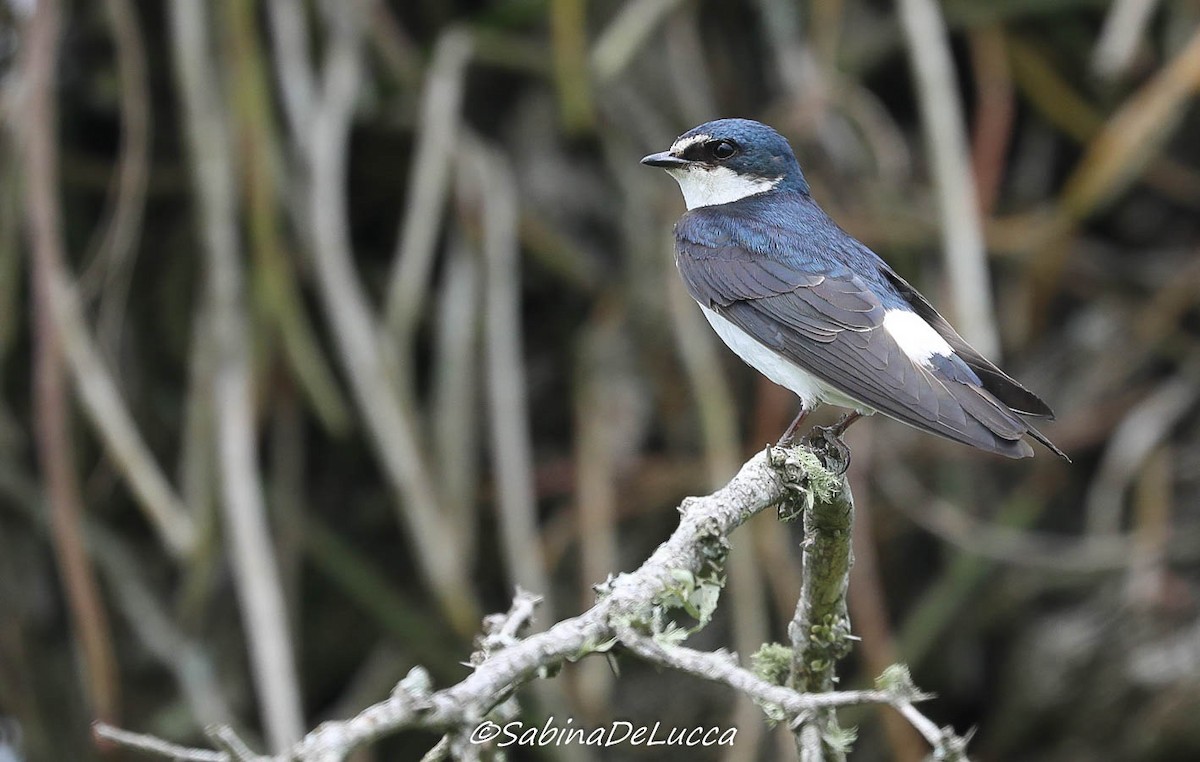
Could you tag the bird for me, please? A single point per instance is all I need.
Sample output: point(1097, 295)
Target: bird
point(819, 313)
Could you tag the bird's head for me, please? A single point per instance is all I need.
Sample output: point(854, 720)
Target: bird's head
point(723, 161)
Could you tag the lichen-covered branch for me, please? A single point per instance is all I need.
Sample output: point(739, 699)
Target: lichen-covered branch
point(820, 629)
point(630, 616)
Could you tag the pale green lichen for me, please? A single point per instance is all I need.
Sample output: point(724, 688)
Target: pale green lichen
point(772, 662)
point(840, 740)
point(897, 681)
point(807, 478)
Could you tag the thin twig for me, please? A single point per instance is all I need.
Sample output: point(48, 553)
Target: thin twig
point(429, 181)
point(117, 250)
point(1134, 439)
point(152, 745)
point(454, 398)
point(723, 668)
point(388, 415)
point(1123, 29)
point(51, 406)
point(106, 410)
point(253, 554)
point(634, 26)
point(508, 409)
point(290, 38)
point(276, 287)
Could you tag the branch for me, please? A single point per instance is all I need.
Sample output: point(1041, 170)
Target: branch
point(429, 182)
point(152, 745)
point(51, 406)
point(387, 411)
point(820, 630)
point(256, 573)
point(629, 612)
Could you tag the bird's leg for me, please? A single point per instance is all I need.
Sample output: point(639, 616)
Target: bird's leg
point(790, 433)
point(845, 422)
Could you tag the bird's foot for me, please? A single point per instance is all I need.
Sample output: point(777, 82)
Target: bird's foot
point(826, 442)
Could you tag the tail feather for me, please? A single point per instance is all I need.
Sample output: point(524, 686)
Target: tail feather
point(1006, 426)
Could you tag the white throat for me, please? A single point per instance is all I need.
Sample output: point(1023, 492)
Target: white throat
point(709, 186)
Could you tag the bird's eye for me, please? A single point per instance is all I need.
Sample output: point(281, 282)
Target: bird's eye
point(723, 149)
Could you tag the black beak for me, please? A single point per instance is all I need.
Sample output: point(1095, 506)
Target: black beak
point(664, 160)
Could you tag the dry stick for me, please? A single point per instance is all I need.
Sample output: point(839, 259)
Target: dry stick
point(152, 745)
point(508, 408)
point(147, 618)
point(621, 612)
point(1123, 29)
point(276, 286)
point(995, 110)
point(512, 442)
point(253, 555)
point(290, 43)
point(1142, 430)
point(454, 397)
point(820, 629)
point(626, 35)
point(946, 142)
point(429, 181)
point(102, 403)
point(51, 405)
point(188, 661)
point(388, 415)
point(118, 246)
point(108, 414)
point(572, 79)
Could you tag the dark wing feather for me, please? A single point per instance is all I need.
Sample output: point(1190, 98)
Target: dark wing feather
point(996, 381)
point(831, 324)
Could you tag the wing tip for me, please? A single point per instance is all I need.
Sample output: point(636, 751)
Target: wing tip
point(1045, 441)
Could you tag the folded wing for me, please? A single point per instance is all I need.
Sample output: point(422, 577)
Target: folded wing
point(831, 324)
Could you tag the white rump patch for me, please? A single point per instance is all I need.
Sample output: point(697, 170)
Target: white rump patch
point(916, 338)
point(710, 186)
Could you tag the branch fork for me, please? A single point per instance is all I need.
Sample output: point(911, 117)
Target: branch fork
point(637, 611)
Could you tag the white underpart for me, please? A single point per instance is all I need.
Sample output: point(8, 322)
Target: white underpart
point(810, 389)
point(710, 186)
point(916, 338)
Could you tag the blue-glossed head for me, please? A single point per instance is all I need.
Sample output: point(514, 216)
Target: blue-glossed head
point(728, 159)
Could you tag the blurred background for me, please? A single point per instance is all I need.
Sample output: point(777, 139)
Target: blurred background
point(323, 325)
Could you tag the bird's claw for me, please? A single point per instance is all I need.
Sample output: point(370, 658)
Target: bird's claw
point(826, 442)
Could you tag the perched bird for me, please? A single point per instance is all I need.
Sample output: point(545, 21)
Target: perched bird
point(817, 312)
